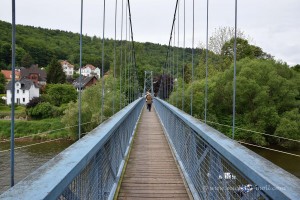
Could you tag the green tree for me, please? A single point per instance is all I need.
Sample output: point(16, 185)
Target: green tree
point(91, 107)
point(222, 35)
point(55, 73)
point(58, 94)
point(265, 90)
point(20, 52)
point(27, 60)
point(2, 83)
point(289, 127)
point(296, 67)
point(5, 53)
point(243, 50)
point(187, 73)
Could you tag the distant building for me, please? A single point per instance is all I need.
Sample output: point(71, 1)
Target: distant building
point(8, 74)
point(90, 70)
point(34, 73)
point(25, 90)
point(86, 81)
point(67, 68)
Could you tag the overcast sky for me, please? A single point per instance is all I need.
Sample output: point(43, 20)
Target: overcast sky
point(274, 25)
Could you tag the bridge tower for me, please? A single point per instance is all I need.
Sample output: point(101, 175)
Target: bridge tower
point(148, 83)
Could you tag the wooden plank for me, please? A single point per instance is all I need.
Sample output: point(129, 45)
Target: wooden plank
point(151, 172)
point(153, 195)
point(138, 198)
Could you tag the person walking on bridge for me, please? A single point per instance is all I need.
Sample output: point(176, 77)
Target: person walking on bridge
point(149, 101)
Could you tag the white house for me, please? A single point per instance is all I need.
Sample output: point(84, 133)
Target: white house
point(97, 72)
point(90, 70)
point(86, 71)
point(25, 90)
point(67, 68)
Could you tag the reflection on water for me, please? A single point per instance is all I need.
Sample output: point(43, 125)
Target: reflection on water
point(287, 162)
point(27, 159)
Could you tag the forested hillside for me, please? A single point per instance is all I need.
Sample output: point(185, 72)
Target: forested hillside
point(267, 91)
point(40, 45)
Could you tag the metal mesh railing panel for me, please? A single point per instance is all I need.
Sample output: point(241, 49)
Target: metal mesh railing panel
point(211, 175)
point(96, 179)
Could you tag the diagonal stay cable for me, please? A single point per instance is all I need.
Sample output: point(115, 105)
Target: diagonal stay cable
point(251, 131)
point(29, 145)
point(132, 41)
point(171, 34)
point(269, 149)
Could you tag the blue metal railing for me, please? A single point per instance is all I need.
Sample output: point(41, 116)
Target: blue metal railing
point(217, 167)
point(90, 168)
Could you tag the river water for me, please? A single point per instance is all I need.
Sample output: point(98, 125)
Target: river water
point(287, 162)
point(30, 158)
point(27, 159)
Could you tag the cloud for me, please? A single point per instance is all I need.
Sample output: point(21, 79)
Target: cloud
point(273, 25)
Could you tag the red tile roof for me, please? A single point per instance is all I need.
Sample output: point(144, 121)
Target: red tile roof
point(92, 67)
point(65, 62)
point(7, 74)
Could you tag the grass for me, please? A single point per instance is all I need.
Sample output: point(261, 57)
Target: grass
point(18, 109)
point(6, 111)
point(46, 128)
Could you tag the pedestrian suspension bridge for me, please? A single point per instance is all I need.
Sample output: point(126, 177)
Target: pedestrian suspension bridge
point(162, 154)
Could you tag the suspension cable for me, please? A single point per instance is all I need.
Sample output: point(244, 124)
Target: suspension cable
point(234, 73)
point(25, 146)
point(132, 41)
point(169, 46)
point(183, 56)
point(178, 38)
point(206, 62)
point(102, 95)
point(269, 149)
point(114, 84)
point(12, 130)
point(251, 131)
point(211, 122)
point(129, 67)
point(80, 73)
point(173, 76)
point(193, 31)
point(121, 64)
point(125, 57)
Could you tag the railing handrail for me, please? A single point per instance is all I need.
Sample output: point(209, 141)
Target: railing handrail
point(50, 180)
point(273, 180)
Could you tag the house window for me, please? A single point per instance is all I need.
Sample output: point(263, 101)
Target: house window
point(23, 91)
point(18, 91)
point(23, 99)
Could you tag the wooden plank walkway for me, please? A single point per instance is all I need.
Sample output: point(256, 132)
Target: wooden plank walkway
point(151, 172)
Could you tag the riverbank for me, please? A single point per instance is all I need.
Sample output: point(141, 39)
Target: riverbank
point(35, 129)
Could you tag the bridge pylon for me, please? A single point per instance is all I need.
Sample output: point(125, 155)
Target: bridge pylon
point(148, 83)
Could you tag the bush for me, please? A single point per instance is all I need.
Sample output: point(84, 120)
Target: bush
point(34, 102)
point(41, 111)
point(2, 102)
